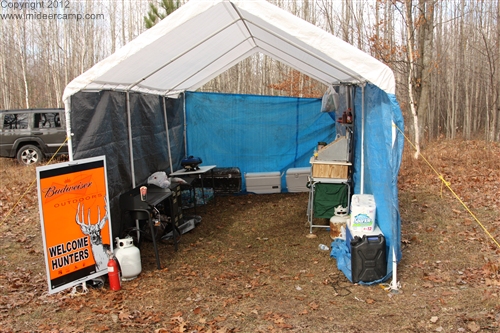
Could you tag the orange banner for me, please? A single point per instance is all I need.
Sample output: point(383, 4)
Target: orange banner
point(75, 221)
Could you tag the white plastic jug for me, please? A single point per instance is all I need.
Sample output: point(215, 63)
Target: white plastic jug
point(129, 258)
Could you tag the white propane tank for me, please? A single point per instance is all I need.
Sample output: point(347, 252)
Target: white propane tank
point(337, 221)
point(129, 258)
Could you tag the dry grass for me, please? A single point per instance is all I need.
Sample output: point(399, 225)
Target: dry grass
point(249, 267)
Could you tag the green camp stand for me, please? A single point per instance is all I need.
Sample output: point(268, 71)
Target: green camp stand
point(324, 195)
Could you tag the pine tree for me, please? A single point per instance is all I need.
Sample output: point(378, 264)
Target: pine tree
point(154, 15)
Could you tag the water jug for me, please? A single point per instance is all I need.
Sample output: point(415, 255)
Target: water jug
point(129, 258)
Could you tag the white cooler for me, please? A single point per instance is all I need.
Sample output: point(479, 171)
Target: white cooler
point(263, 182)
point(297, 178)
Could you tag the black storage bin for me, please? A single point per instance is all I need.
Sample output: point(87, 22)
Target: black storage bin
point(226, 180)
point(368, 260)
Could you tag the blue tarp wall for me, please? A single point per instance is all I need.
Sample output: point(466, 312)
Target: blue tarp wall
point(255, 133)
point(268, 133)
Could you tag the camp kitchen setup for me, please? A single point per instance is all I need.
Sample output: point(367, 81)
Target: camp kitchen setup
point(169, 146)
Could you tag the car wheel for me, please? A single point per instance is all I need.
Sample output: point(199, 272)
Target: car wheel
point(29, 154)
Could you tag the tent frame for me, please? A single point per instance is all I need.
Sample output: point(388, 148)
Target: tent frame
point(323, 57)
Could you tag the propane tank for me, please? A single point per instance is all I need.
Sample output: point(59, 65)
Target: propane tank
point(129, 257)
point(337, 221)
point(114, 274)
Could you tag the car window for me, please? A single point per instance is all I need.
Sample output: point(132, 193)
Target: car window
point(47, 120)
point(15, 121)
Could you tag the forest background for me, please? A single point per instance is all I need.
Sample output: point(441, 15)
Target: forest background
point(445, 54)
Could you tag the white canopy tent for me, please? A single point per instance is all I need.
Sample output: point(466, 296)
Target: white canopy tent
point(203, 38)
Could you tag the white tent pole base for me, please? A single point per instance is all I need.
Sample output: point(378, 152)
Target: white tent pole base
point(394, 286)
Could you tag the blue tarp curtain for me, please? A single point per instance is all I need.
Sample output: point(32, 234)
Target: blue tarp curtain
point(268, 133)
point(255, 133)
point(383, 151)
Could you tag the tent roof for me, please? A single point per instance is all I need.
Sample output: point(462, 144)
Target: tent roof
point(202, 39)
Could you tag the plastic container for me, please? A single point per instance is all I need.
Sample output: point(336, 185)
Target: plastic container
point(323, 247)
point(368, 258)
point(350, 235)
point(363, 209)
point(129, 258)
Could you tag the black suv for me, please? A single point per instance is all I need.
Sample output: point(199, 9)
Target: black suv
point(32, 134)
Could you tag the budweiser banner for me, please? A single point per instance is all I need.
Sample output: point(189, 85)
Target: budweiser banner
point(76, 228)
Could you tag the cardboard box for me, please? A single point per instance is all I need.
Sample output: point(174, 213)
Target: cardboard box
point(263, 182)
point(297, 179)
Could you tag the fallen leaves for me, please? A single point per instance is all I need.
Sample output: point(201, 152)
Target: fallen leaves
point(251, 270)
point(473, 326)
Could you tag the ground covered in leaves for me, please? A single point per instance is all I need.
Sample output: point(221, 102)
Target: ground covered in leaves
point(249, 267)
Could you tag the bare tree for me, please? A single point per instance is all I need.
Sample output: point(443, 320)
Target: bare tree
point(425, 32)
point(495, 130)
point(21, 39)
point(445, 56)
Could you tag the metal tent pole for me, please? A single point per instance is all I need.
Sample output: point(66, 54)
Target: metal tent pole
point(131, 153)
point(362, 184)
point(69, 135)
point(168, 136)
point(131, 150)
point(394, 285)
point(185, 123)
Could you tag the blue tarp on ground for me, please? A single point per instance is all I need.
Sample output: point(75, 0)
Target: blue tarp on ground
point(268, 133)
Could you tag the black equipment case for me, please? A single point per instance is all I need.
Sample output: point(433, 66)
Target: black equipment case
point(226, 180)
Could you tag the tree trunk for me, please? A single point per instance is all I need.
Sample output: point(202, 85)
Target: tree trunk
point(4, 82)
point(425, 36)
point(21, 43)
point(496, 107)
point(411, 79)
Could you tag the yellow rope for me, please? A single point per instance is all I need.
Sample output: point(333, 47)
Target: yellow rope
point(34, 180)
point(448, 185)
